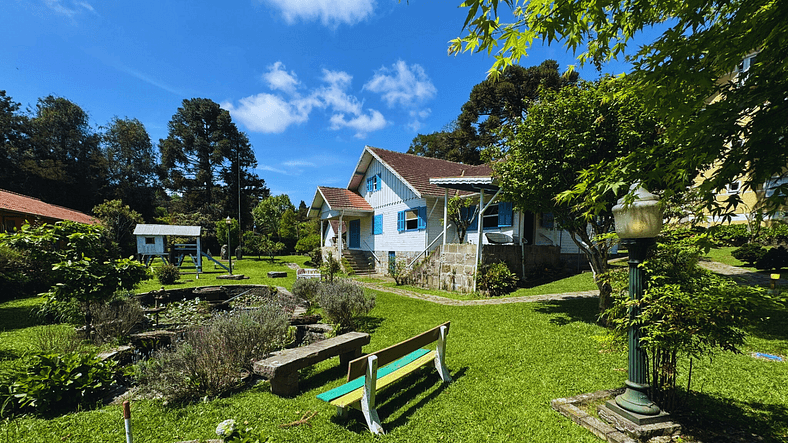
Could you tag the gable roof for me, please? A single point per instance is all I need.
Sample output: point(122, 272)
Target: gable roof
point(174, 230)
point(416, 171)
point(23, 205)
point(339, 199)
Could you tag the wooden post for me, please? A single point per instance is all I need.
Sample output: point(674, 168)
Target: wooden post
point(127, 420)
point(368, 396)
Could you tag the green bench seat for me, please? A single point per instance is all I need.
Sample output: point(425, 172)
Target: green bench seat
point(365, 378)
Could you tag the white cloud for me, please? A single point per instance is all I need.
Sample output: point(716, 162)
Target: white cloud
point(271, 169)
point(417, 117)
point(299, 164)
point(293, 104)
point(278, 78)
point(402, 85)
point(69, 8)
point(362, 124)
point(268, 113)
point(330, 13)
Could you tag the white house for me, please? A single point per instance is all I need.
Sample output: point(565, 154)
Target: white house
point(394, 206)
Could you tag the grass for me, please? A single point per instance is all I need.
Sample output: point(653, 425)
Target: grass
point(575, 283)
point(254, 268)
point(507, 361)
point(723, 255)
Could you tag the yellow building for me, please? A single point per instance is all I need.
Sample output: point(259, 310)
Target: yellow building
point(748, 201)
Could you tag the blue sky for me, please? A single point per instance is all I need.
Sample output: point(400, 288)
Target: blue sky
point(310, 81)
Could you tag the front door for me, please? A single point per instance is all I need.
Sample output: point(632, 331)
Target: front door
point(355, 234)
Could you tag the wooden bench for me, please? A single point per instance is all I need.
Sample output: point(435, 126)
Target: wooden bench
point(376, 371)
point(282, 369)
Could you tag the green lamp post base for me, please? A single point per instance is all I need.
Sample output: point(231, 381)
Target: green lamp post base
point(636, 400)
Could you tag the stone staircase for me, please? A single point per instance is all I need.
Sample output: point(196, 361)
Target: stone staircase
point(362, 262)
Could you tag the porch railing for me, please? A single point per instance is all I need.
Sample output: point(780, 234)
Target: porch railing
point(377, 259)
point(410, 266)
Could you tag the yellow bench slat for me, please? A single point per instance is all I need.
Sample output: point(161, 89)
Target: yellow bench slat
point(355, 396)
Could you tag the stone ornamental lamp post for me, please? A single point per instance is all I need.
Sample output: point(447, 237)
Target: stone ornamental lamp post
point(637, 224)
point(229, 222)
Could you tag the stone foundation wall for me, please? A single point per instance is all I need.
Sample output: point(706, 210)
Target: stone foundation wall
point(451, 267)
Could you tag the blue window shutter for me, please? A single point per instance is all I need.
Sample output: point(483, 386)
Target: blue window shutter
point(377, 182)
point(377, 224)
point(423, 217)
point(475, 222)
point(504, 214)
point(369, 184)
point(401, 221)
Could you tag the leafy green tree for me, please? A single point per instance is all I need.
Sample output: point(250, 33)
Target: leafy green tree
point(289, 228)
point(734, 124)
point(576, 127)
point(64, 155)
point(268, 214)
point(460, 214)
point(131, 164)
point(199, 151)
point(120, 221)
point(492, 103)
point(221, 232)
point(14, 145)
point(303, 212)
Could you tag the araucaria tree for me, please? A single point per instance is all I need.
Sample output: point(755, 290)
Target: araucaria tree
point(202, 148)
point(492, 104)
point(576, 127)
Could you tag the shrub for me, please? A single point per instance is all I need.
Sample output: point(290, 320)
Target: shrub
point(496, 279)
point(168, 274)
point(213, 357)
point(306, 288)
point(330, 267)
point(307, 244)
point(12, 279)
point(55, 339)
point(316, 257)
point(730, 235)
point(342, 301)
point(749, 253)
point(115, 320)
point(774, 258)
point(398, 270)
point(58, 382)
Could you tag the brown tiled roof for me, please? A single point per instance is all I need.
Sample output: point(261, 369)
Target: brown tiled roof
point(418, 170)
point(24, 205)
point(340, 198)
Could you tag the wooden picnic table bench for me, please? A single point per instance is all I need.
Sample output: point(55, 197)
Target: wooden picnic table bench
point(374, 372)
point(282, 369)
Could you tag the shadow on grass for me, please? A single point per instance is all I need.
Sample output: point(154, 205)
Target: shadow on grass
point(392, 401)
point(368, 324)
point(17, 317)
point(569, 311)
point(771, 324)
point(726, 420)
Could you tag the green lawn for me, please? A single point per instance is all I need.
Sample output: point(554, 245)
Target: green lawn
point(508, 362)
point(575, 283)
point(723, 255)
point(254, 268)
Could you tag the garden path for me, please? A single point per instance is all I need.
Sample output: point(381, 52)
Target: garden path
point(743, 275)
point(486, 301)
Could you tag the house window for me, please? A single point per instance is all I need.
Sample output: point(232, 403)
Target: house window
point(744, 67)
point(498, 215)
point(373, 183)
point(778, 185)
point(733, 188)
point(548, 221)
point(150, 241)
point(412, 219)
point(377, 224)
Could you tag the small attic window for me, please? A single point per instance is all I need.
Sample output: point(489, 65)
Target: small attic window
point(150, 240)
